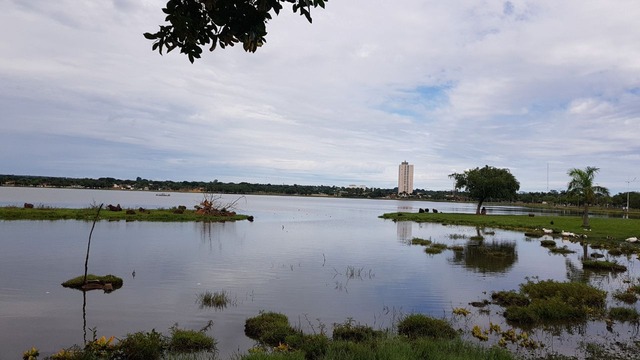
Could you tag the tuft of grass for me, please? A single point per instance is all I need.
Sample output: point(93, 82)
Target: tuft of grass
point(557, 302)
point(143, 345)
point(624, 314)
point(269, 328)
point(510, 298)
point(457, 248)
point(190, 341)
point(433, 250)
point(218, 299)
point(548, 243)
point(627, 297)
point(419, 241)
point(562, 250)
point(421, 326)
point(603, 266)
point(348, 331)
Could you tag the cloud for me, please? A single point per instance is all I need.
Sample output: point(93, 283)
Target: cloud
point(515, 84)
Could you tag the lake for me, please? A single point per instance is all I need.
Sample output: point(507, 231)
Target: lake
point(318, 260)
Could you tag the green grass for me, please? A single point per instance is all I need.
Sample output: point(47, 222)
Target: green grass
point(548, 243)
point(607, 229)
point(89, 214)
point(416, 326)
point(561, 250)
point(553, 302)
point(599, 265)
point(218, 299)
point(624, 314)
point(419, 241)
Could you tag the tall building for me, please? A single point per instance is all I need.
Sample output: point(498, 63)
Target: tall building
point(405, 178)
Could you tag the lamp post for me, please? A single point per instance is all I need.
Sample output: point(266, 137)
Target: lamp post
point(629, 181)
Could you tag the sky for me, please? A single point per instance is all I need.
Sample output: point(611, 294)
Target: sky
point(537, 87)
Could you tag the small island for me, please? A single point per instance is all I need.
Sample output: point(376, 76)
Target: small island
point(108, 283)
point(177, 214)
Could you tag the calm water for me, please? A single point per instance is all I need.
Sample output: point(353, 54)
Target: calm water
point(295, 258)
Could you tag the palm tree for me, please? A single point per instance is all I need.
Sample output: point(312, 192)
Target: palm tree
point(582, 185)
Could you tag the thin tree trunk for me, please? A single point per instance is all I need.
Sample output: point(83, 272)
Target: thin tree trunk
point(86, 260)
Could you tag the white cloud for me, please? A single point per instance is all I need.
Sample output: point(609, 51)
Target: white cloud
point(444, 85)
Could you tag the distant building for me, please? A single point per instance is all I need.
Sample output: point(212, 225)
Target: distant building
point(405, 178)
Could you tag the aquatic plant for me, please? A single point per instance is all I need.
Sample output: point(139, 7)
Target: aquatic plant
point(547, 243)
point(349, 331)
point(218, 299)
point(624, 314)
point(418, 326)
point(510, 298)
point(419, 241)
point(433, 250)
point(143, 345)
point(31, 354)
point(184, 340)
point(627, 297)
point(603, 266)
point(561, 250)
point(556, 302)
point(269, 328)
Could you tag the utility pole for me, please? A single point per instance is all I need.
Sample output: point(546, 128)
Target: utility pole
point(628, 181)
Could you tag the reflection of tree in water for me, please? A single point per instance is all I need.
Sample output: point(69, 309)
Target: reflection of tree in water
point(494, 257)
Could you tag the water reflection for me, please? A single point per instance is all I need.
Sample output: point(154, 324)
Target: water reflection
point(404, 230)
point(487, 258)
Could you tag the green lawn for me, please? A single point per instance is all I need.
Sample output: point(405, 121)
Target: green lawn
point(613, 229)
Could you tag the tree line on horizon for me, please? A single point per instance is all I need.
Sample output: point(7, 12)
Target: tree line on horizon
point(244, 188)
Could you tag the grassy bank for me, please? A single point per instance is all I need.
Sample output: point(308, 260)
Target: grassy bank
point(88, 214)
point(614, 229)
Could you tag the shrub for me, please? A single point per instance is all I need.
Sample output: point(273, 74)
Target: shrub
point(142, 346)
point(269, 328)
point(347, 331)
point(190, 341)
point(417, 325)
point(313, 346)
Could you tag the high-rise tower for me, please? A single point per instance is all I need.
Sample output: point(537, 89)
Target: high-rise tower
point(405, 178)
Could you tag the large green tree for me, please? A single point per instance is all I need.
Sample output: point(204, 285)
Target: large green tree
point(193, 24)
point(582, 185)
point(487, 183)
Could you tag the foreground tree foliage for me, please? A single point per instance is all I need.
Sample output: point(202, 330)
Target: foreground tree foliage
point(194, 24)
point(487, 183)
point(582, 184)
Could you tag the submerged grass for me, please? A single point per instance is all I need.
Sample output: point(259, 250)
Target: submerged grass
point(606, 229)
point(603, 265)
point(218, 299)
point(88, 214)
